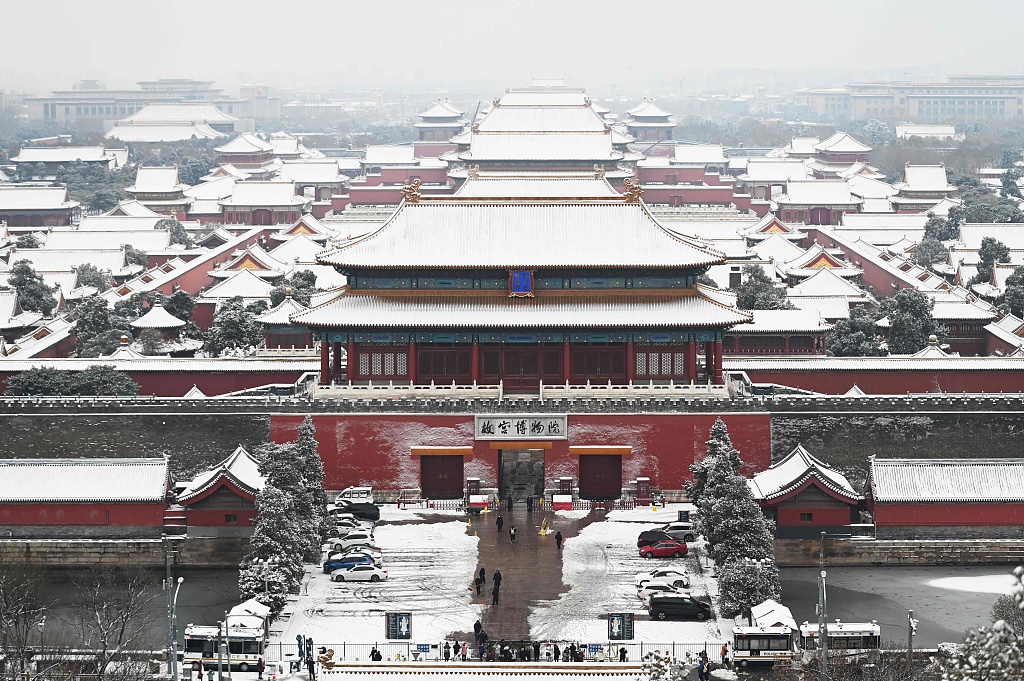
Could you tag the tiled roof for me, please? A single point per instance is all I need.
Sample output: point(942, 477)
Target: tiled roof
point(544, 97)
point(699, 153)
point(83, 480)
point(111, 223)
point(61, 155)
point(794, 470)
point(537, 234)
point(389, 154)
point(246, 143)
point(826, 307)
point(280, 313)
point(161, 132)
point(926, 178)
point(591, 146)
point(242, 283)
point(774, 170)
point(263, 194)
point(947, 480)
point(78, 239)
point(802, 145)
point(1010, 233)
point(635, 310)
point(905, 130)
point(131, 208)
point(818, 193)
point(842, 143)
point(16, 197)
point(901, 363)
point(11, 314)
point(158, 318)
point(181, 112)
point(648, 109)
point(442, 108)
point(541, 119)
point(317, 170)
point(240, 468)
point(825, 282)
point(779, 321)
point(65, 260)
point(156, 180)
point(299, 248)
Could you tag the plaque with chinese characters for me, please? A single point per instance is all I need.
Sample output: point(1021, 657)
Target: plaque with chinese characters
point(521, 427)
point(520, 284)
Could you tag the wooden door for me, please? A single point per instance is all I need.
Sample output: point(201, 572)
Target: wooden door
point(600, 476)
point(441, 477)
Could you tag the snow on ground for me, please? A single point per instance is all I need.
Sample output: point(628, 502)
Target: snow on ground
point(573, 515)
point(989, 584)
point(390, 513)
point(429, 566)
point(598, 567)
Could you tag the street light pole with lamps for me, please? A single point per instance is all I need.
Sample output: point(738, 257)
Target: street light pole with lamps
point(265, 565)
point(174, 631)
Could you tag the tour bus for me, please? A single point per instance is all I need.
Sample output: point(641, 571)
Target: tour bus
point(844, 638)
point(245, 633)
point(762, 645)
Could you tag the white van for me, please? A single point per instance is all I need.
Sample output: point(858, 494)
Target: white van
point(357, 495)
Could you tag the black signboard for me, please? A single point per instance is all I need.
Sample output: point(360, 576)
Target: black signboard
point(620, 626)
point(398, 625)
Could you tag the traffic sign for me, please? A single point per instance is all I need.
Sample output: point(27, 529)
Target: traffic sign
point(398, 625)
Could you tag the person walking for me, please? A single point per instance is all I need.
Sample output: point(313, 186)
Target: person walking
point(558, 541)
point(512, 534)
point(477, 628)
point(725, 654)
point(497, 578)
point(447, 651)
point(465, 650)
point(529, 504)
point(495, 594)
point(500, 522)
point(508, 504)
point(260, 667)
point(702, 671)
point(311, 666)
point(536, 651)
point(478, 583)
point(622, 653)
point(483, 576)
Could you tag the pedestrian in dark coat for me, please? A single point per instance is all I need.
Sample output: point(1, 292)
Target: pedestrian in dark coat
point(508, 503)
point(558, 541)
point(497, 578)
point(260, 667)
point(447, 651)
point(558, 654)
point(477, 628)
point(478, 583)
point(512, 534)
point(500, 522)
point(311, 666)
point(536, 651)
point(483, 576)
point(622, 653)
point(529, 504)
point(495, 594)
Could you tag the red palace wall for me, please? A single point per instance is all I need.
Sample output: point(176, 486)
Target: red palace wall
point(893, 382)
point(145, 515)
point(214, 517)
point(374, 449)
point(789, 516)
point(949, 515)
point(176, 383)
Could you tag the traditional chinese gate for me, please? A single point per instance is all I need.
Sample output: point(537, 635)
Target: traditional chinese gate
point(521, 367)
point(521, 473)
point(600, 471)
point(441, 477)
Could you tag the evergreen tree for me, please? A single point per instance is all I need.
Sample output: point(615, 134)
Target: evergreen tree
point(29, 240)
point(855, 337)
point(991, 251)
point(732, 522)
point(911, 322)
point(180, 305)
point(758, 292)
point(718, 445)
point(233, 328)
point(90, 275)
point(303, 286)
point(1013, 295)
point(98, 330)
point(993, 653)
point(134, 256)
point(33, 293)
point(284, 465)
point(308, 455)
point(939, 229)
point(276, 538)
point(745, 583)
point(930, 252)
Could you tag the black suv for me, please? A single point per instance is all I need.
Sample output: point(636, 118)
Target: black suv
point(665, 607)
point(648, 537)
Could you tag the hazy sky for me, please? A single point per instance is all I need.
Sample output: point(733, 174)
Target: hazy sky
point(313, 44)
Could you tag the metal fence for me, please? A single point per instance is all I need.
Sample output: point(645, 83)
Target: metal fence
point(605, 651)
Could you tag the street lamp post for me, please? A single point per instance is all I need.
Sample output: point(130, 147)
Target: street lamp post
point(174, 631)
point(227, 637)
point(822, 616)
point(220, 651)
point(265, 565)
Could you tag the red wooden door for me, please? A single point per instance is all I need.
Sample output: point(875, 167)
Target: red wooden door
point(600, 476)
point(441, 477)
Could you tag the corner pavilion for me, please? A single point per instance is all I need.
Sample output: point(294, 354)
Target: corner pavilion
point(518, 291)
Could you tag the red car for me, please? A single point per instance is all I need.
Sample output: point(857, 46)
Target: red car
point(664, 549)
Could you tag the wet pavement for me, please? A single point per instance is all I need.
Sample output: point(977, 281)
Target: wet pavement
point(531, 568)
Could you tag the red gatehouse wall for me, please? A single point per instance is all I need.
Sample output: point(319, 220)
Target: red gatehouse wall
point(950, 515)
point(374, 449)
point(112, 513)
point(888, 381)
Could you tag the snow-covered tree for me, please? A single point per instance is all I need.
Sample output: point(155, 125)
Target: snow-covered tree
point(733, 524)
point(658, 667)
point(312, 467)
point(719, 446)
point(746, 583)
point(277, 537)
point(285, 465)
point(993, 653)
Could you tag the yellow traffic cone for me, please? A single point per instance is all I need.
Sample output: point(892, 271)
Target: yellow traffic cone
point(475, 534)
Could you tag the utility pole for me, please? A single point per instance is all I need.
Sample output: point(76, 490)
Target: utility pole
point(220, 651)
point(170, 607)
point(174, 632)
point(227, 637)
point(822, 617)
point(911, 633)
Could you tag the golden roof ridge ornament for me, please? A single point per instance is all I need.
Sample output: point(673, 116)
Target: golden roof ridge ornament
point(473, 172)
point(598, 171)
point(411, 192)
point(633, 191)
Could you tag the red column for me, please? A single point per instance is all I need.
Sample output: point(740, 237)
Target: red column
point(325, 362)
point(335, 361)
point(785, 345)
point(709, 358)
point(630, 361)
point(718, 362)
point(566, 362)
point(412, 361)
point(691, 361)
point(351, 361)
point(475, 365)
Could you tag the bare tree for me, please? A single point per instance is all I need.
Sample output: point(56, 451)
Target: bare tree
point(111, 619)
point(24, 605)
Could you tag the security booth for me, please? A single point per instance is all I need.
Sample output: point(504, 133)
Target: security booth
point(643, 491)
point(565, 485)
point(472, 486)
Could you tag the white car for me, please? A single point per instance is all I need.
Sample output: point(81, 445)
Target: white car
point(351, 539)
point(673, 576)
point(363, 495)
point(645, 592)
point(359, 573)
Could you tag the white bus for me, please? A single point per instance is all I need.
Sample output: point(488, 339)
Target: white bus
point(245, 631)
point(762, 645)
point(844, 638)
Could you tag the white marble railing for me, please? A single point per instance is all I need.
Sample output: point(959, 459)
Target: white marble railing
point(393, 390)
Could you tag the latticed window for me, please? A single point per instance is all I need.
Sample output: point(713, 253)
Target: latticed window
point(382, 362)
point(661, 363)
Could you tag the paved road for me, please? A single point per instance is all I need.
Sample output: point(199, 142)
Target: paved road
point(885, 594)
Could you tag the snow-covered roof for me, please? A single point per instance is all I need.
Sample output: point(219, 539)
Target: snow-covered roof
point(1010, 233)
point(825, 282)
point(947, 480)
point(648, 109)
point(240, 468)
point(556, 96)
point(924, 130)
point(18, 197)
point(442, 108)
point(779, 321)
point(536, 187)
point(112, 223)
point(280, 314)
point(323, 170)
point(243, 283)
point(90, 239)
point(180, 113)
point(246, 143)
point(699, 154)
point(133, 209)
point(263, 194)
point(66, 260)
point(591, 146)
point(826, 307)
point(771, 613)
point(763, 169)
point(390, 154)
point(83, 480)
point(62, 155)
point(793, 471)
point(926, 178)
point(161, 132)
point(869, 188)
point(158, 318)
point(565, 119)
point(842, 143)
point(777, 247)
point(11, 314)
point(156, 180)
point(253, 259)
point(803, 146)
point(818, 193)
point(299, 248)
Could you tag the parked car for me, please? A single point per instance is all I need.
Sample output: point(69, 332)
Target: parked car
point(332, 565)
point(351, 539)
point(350, 525)
point(680, 531)
point(374, 554)
point(355, 495)
point(647, 590)
point(664, 606)
point(664, 549)
point(673, 576)
point(651, 537)
point(360, 510)
point(360, 573)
